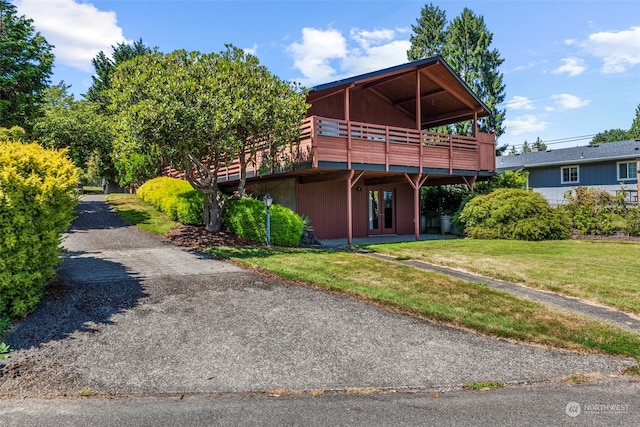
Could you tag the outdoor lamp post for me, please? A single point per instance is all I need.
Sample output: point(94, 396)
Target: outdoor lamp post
point(268, 200)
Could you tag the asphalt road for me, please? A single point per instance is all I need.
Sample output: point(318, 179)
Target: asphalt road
point(155, 334)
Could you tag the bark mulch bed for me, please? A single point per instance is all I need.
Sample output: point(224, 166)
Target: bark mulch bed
point(196, 237)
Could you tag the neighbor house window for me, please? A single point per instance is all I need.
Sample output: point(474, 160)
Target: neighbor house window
point(570, 175)
point(627, 170)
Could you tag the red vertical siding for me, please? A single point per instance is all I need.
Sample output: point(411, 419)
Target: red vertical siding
point(360, 211)
point(325, 203)
point(404, 210)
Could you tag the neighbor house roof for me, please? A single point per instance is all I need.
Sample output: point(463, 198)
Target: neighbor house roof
point(620, 150)
point(444, 96)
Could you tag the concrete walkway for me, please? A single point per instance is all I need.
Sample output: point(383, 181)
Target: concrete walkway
point(624, 320)
point(132, 314)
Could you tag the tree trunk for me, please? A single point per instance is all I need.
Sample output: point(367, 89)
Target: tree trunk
point(212, 212)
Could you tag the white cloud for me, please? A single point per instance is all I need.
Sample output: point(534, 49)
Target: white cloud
point(619, 50)
point(520, 103)
point(367, 38)
point(312, 57)
point(251, 50)
point(524, 124)
point(377, 57)
point(571, 66)
point(77, 30)
point(569, 102)
point(326, 55)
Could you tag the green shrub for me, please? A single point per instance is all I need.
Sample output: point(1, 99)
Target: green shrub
point(592, 211)
point(37, 197)
point(246, 218)
point(175, 197)
point(506, 179)
point(632, 221)
point(508, 213)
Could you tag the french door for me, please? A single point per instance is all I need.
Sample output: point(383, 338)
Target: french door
point(381, 209)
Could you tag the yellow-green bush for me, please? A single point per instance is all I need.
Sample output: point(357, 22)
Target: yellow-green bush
point(37, 197)
point(175, 197)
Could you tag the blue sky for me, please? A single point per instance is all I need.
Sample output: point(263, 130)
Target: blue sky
point(572, 68)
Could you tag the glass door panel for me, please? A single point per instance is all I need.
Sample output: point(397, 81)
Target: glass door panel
point(388, 211)
point(374, 226)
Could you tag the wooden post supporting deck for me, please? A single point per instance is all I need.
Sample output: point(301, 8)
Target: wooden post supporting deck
point(350, 183)
point(416, 183)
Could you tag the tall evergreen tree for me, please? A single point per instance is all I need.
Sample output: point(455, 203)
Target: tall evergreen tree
point(26, 61)
point(466, 48)
point(105, 66)
point(539, 145)
point(428, 35)
point(634, 131)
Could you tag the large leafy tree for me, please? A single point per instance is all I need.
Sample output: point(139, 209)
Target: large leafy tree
point(26, 60)
point(200, 112)
point(465, 44)
point(76, 125)
point(104, 67)
point(611, 135)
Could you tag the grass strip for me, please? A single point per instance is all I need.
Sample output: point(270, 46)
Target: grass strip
point(438, 297)
point(604, 272)
point(136, 212)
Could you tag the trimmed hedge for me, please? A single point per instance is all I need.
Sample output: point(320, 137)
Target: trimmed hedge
point(508, 213)
point(175, 197)
point(37, 197)
point(246, 218)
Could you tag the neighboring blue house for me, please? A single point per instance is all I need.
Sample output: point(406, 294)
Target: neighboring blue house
point(606, 166)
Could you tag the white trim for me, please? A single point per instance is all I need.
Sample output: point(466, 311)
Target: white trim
point(562, 168)
point(626, 163)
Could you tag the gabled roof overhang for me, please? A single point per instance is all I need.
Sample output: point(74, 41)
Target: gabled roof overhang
point(443, 96)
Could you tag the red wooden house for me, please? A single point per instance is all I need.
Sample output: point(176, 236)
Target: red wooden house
point(364, 152)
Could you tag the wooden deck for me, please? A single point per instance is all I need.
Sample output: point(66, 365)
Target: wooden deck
point(339, 144)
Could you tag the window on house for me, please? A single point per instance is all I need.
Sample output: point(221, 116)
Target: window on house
point(627, 170)
point(570, 174)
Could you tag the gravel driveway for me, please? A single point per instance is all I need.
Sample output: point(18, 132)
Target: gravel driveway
point(132, 313)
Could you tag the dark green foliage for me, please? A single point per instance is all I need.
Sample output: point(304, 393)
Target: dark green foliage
point(442, 199)
point(634, 131)
point(26, 62)
point(592, 211)
point(506, 179)
point(37, 197)
point(611, 135)
point(513, 214)
point(465, 44)
point(76, 125)
point(247, 218)
point(632, 221)
point(105, 66)
point(175, 197)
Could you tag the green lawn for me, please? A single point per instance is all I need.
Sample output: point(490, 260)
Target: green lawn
point(606, 272)
point(438, 297)
point(135, 211)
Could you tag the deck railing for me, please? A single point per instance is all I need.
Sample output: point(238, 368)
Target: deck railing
point(331, 140)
